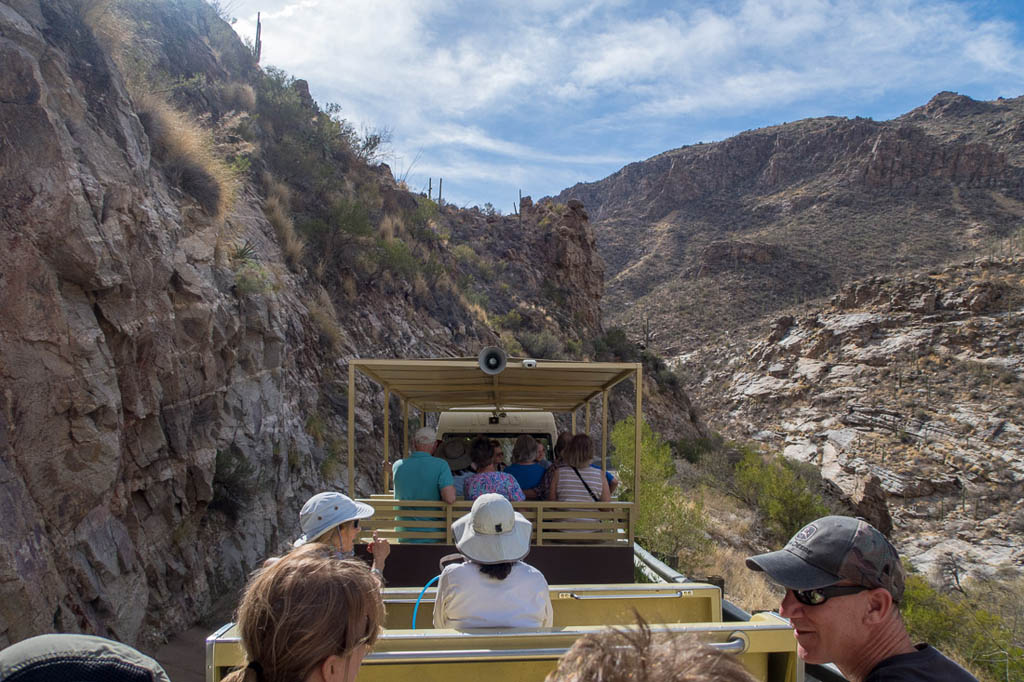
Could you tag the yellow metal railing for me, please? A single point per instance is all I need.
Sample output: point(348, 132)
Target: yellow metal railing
point(604, 523)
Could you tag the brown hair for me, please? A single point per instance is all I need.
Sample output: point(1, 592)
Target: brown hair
point(525, 449)
point(302, 609)
point(579, 453)
point(561, 444)
point(481, 451)
point(639, 656)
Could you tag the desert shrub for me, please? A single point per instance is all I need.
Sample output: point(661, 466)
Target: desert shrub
point(253, 278)
point(968, 630)
point(234, 482)
point(614, 346)
point(542, 344)
point(784, 499)
point(667, 522)
point(574, 348)
point(465, 254)
point(511, 344)
point(396, 257)
point(511, 320)
point(183, 149)
point(694, 449)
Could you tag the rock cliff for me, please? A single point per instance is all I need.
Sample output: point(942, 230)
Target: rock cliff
point(172, 352)
point(912, 384)
point(704, 238)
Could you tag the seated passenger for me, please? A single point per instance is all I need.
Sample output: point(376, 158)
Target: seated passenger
point(613, 482)
point(576, 480)
point(421, 476)
point(456, 453)
point(494, 588)
point(308, 617)
point(487, 478)
point(527, 471)
point(333, 520)
point(640, 656)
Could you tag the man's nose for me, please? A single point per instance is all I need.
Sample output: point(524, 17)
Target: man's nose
point(790, 606)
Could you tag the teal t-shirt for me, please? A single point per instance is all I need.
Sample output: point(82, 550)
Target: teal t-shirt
point(420, 477)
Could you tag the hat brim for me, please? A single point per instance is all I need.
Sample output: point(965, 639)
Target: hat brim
point(362, 511)
point(486, 548)
point(791, 571)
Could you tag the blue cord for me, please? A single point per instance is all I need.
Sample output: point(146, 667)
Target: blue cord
point(416, 608)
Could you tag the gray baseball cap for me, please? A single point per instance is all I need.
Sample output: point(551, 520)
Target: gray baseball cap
point(77, 658)
point(833, 549)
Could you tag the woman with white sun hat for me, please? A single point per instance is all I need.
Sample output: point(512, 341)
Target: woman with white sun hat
point(495, 588)
point(333, 519)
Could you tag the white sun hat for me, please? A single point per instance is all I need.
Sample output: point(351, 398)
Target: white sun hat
point(492, 532)
point(324, 511)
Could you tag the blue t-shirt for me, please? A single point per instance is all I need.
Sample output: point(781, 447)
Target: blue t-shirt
point(420, 477)
point(607, 474)
point(528, 475)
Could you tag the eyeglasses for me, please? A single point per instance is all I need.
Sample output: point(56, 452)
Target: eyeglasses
point(823, 594)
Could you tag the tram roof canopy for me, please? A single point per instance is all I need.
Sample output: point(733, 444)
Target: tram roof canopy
point(458, 383)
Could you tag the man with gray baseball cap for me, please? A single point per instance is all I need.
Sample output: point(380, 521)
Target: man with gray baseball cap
point(844, 582)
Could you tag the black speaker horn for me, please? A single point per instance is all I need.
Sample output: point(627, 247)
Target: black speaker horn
point(492, 360)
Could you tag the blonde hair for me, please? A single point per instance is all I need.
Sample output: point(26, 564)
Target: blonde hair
point(579, 452)
point(302, 609)
point(640, 656)
point(525, 449)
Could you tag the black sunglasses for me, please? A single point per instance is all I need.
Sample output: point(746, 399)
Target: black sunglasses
point(823, 594)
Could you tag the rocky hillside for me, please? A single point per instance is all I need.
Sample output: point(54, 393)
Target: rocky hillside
point(190, 251)
point(915, 381)
point(704, 238)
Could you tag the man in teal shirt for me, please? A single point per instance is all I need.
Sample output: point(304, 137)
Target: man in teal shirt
point(421, 476)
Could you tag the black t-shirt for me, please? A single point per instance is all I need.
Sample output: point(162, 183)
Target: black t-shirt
point(924, 665)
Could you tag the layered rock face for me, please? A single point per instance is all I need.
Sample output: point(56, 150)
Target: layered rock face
point(162, 417)
point(911, 385)
point(821, 201)
point(131, 369)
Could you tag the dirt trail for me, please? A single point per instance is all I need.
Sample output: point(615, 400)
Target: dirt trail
point(184, 656)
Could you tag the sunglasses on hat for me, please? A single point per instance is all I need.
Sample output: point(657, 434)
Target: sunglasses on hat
point(823, 594)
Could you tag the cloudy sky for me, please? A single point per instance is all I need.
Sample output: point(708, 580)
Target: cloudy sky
point(498, 96)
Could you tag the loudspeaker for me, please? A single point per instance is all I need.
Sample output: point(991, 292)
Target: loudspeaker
point(492, 360)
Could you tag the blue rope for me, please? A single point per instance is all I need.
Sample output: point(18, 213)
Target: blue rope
point(416, 608)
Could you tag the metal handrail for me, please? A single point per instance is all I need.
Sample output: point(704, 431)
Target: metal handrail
point(734, 645)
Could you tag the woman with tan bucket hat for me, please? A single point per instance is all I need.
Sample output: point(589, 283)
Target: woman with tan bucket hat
point(333, 519)
point(495, 588)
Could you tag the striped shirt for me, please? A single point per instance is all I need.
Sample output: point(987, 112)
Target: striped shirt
point(571, 489)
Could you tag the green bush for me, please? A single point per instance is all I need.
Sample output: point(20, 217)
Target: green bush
point(667, 522)
point(542, 344)
point(784, 499)
point(615, 346)
point(968, 631)
point(234, 483)
point(395, 256)
point(512, 320)
point(253, 278)
point(694, 449)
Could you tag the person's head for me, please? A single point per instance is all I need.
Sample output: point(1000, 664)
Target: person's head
point(579, 453)
point(307, 613)
point(424, 439)
point(456, 452)
point(640, 656)
point(481, 452)
point(332, 519)
point(561, 444)
point(499, 454)
point(843, 581)
point(493, 533)
point(45, 658)
point(525, 449)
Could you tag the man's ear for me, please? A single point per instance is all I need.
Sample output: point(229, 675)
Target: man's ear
point(880, 605)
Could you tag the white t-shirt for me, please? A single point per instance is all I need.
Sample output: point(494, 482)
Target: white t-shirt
point(466, 598)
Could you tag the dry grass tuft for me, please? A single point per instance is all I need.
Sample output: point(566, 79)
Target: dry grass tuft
point(321, 310)
point(292, 245)
point(348, 285)
point(239, 96)
point(420, 289)
point(390, 227)
point(748, 589)
point(183, 147)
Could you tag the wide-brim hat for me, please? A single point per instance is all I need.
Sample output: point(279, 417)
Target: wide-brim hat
point(324, 511)
point(455, 452)
point(492, 532)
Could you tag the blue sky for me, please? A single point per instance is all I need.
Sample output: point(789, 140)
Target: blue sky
point(537, 95)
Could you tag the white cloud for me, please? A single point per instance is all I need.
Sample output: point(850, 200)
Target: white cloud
point(573, 79)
